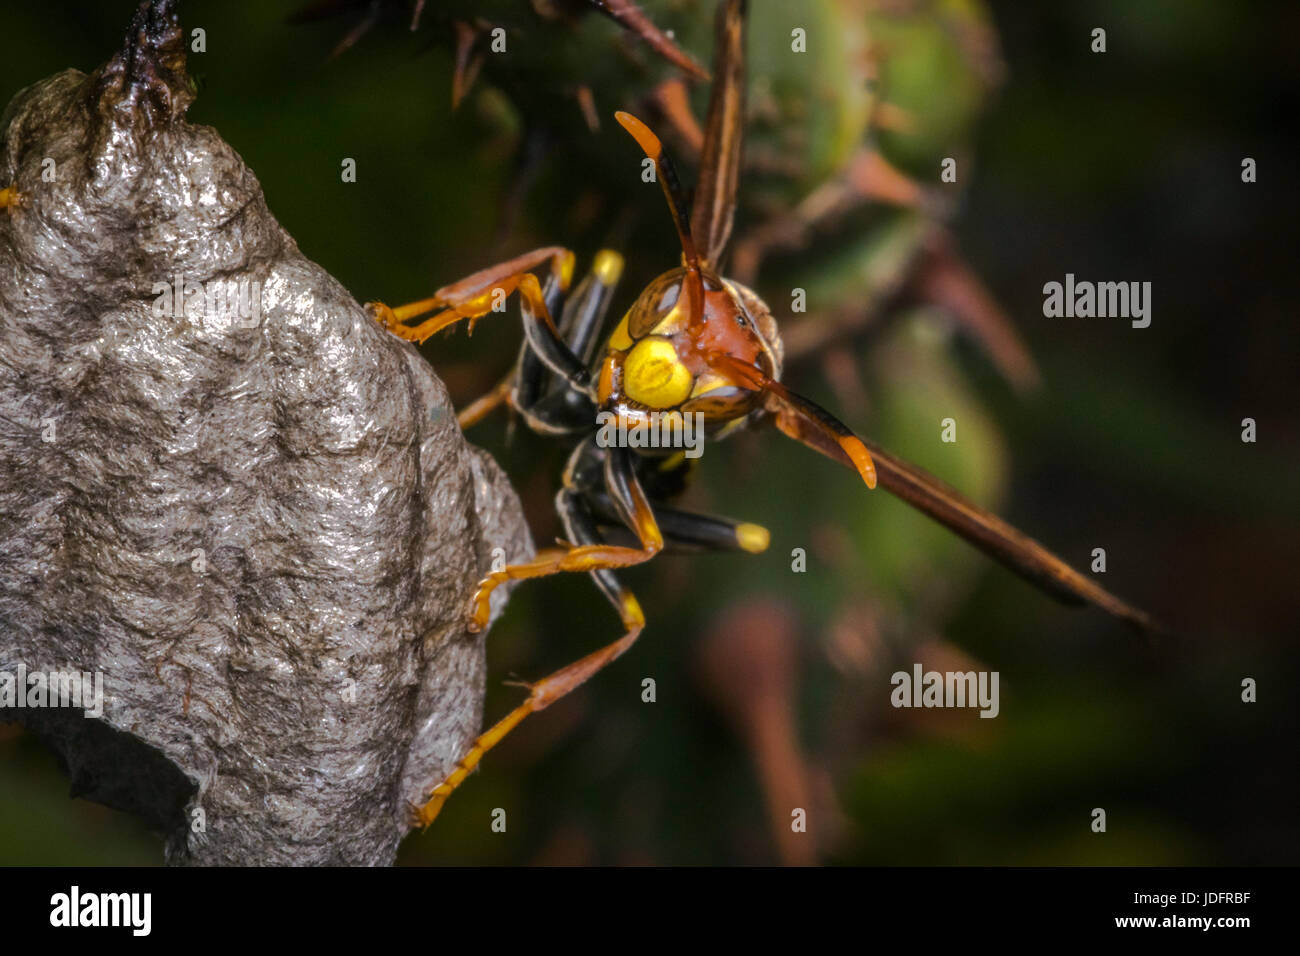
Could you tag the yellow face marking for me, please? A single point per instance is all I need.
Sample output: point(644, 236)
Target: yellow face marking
point(710, 381)
point(619, 339)
point(674, 320)
point(653, 376)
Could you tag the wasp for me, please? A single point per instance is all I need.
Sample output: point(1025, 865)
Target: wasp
point(693, 343)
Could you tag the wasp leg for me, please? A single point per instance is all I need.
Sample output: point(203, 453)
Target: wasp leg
point(663, 479)
point(584, 314)
point(560, 403)
point(476, 295)
point(484, 405)
point(541, 695)
point(580, 527)
point(534, 389)
point(692, 530)
point(633, 506)
point(568, 412)
point(560, 413)
point(539, 375)
point(593, 556)
point(553, 294)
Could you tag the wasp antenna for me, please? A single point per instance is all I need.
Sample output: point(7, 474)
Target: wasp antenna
point(667, 176)
point(807, 422)
point(801, 418)
point(672, 187)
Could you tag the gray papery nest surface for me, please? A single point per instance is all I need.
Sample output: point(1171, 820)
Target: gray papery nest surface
point(248, 507)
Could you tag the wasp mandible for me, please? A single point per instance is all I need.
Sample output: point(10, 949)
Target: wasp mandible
point(693, 343)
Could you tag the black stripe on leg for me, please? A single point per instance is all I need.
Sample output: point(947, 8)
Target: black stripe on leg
point(580, 527)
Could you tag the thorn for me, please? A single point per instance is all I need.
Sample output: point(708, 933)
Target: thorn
point(748, 665)
point(529, 160)
point(874, 177)
point(467, 65)
point(894, 118)
point(356, 33)
point(628, 14)
point(948, 282)
point(588, 104)
point(673, 100)
point(841, 368)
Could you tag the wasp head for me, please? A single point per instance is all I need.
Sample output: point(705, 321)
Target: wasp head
point(694, 342)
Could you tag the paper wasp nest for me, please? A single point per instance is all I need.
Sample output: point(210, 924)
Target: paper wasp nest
point(245, 505)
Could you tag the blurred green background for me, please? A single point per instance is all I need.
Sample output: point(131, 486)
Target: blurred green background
point(773, 686)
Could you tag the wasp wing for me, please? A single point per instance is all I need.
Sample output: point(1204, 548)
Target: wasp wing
point(715, 193)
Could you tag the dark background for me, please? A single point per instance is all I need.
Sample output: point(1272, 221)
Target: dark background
point(1116, 166)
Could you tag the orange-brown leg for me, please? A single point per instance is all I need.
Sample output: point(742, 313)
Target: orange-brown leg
point(587, 557)
point(8, 197)
point(621, 483)
point(541, 695)
point(475, 295)
point(481, 407)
